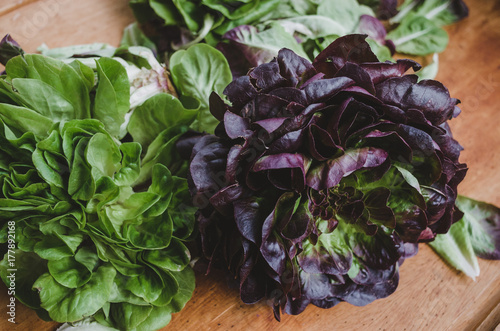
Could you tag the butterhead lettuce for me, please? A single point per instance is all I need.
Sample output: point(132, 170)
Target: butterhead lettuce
point(93, 218)
point(322, 177)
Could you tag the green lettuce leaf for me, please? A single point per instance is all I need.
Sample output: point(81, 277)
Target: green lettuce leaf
point(62, 77)
point(419, 36)
point(68, 305)
point(133, 36)
point(483, 221)
point(112, 99)
point(346, 12)
point(429, 71)
point(197, 72)
point(441, 12)
point(161, 112)
point(455, 247)
point(476, 234)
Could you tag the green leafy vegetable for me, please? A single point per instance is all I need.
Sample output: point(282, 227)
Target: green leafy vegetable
point(476, 234)
point(346, 13)
point(131, 67)
point(133, 36)
point(441, 12)
point(68, 82)
point(455, 247)
point(419, 36)
point(112, 100)
point(156, 115)
point(430, 70)
point(197, 72)
point(68, 304)
point(99, 223)
point(484, 226)
point(251, 32)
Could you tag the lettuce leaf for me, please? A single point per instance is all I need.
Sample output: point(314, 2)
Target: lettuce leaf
point(476, 234)
point(197, 72)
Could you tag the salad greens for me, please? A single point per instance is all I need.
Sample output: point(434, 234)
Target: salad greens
point(251, 32)
point(192, 74)
point(333, 172)
point(93, 190)
point(322, 167)
point(441, 12)
point(419, 36)
point(197, 72)
point(419, 25)
point(477, 234)
point(191, 21)
point(146, 76)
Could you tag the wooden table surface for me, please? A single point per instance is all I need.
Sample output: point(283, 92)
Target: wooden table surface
point(430, 296)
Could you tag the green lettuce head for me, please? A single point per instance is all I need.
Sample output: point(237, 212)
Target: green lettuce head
point(94, 226)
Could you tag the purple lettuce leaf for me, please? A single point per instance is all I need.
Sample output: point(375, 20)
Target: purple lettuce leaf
point(9, 48)
point(330, 173)
point(374, 28)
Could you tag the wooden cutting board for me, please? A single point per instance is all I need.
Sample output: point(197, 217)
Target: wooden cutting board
point(430, 296)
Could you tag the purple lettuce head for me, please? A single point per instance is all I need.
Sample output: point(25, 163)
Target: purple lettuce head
point(322, 177)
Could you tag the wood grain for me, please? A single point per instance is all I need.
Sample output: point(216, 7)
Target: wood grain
point(492, 321)
point(66, 22)
point(7, 7)
point(430, 296)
